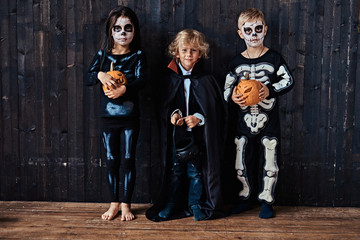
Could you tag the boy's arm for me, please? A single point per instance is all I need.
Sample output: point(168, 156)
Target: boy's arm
point(201, 117)
point(229, 86)
point(284, 81)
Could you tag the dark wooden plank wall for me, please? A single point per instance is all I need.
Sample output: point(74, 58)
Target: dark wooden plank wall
point(50, 146)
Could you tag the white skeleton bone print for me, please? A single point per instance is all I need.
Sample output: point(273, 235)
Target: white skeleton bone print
point(257, 130)
point(255, 120)
point(270, 169)
point(240, 166)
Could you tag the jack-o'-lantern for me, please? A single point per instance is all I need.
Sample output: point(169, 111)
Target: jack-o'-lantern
point(249, 89)
point(118, 76)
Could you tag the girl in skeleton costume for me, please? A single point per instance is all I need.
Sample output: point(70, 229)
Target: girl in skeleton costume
point(119, 113)
point(257, 126)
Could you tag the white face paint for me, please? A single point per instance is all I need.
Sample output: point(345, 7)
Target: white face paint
point(123, 32)
point(253, 33)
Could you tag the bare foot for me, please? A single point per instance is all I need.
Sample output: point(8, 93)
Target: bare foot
point(126, 214)
point(111, 212)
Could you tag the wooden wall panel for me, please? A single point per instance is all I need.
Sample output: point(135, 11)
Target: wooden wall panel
point(49, 140)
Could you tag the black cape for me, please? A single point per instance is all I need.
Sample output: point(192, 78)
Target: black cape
point(208, 95)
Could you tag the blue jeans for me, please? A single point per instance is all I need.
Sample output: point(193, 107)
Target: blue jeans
point(181, 171)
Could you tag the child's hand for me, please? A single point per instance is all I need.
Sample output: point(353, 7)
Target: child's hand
point(115, 93)
point(263, 92)
point(107, 80)
point(237, 98)
point(176, 119)
point(191, 121)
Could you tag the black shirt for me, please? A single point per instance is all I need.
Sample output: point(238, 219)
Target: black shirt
point(132, 65)
point(270, 69)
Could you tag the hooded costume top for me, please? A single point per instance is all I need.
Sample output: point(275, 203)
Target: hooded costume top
point(208, 96)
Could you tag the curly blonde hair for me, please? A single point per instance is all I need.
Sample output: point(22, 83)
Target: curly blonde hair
point(189, 37)
point(250, 14)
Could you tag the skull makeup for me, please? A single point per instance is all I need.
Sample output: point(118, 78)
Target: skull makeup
point(123, 31)
point(253, 33)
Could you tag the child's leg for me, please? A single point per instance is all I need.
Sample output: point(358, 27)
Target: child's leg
point(126, 214)
point(195, 190)
point(270, 169)
point(127, 171)
point(173, 188)
point(111, 142)
point(241, 207)
point(240, 166)
point(266, 211)
point(112, 211)
point(246, 169)
point(269, 173)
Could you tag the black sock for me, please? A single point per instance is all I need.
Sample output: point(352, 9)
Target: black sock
point(241, 207)
point(266, 211)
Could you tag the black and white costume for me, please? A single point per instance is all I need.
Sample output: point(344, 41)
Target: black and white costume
point(258, 126)
point(120, 120)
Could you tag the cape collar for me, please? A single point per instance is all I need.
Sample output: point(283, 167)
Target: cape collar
point(175, 68)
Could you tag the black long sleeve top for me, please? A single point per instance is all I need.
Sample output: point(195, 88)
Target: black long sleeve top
point(132, 64)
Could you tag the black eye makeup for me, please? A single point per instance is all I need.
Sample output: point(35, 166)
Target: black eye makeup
point(247, 30)
point(127, 28)
point(258, 29)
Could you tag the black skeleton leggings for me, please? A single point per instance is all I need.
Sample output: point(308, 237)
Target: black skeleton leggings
point(120, 145)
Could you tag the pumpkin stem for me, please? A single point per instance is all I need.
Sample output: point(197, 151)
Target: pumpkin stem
point(112, 66)
point(247, 76)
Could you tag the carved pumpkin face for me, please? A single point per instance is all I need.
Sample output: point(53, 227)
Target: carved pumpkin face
point(250, 91)
point(119, 78)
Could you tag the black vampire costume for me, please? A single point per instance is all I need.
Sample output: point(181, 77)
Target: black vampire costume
point(204, 90)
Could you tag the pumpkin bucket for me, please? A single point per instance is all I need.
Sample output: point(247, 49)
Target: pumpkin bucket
point(118, 76)
point(249, 90)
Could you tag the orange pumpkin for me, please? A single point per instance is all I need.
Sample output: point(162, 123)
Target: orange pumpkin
point(118, 76)
point(249, 90)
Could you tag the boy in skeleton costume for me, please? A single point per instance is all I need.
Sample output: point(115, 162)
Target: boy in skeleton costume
point(257, 126)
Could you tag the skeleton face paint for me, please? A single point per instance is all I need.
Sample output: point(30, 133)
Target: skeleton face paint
point(253, 33)
point(127, 28)
point(123, 32)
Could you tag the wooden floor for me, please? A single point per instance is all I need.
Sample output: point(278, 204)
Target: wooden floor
point(55, 220)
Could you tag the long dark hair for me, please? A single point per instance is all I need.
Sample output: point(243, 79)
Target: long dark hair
point(114, 14)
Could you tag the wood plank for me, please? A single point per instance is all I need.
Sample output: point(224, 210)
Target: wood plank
point(10, 186)
point(54, 220)
point(42, 76)
point(342, 119)
point(75, 99)
point(347, 102)
point(28, 121)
